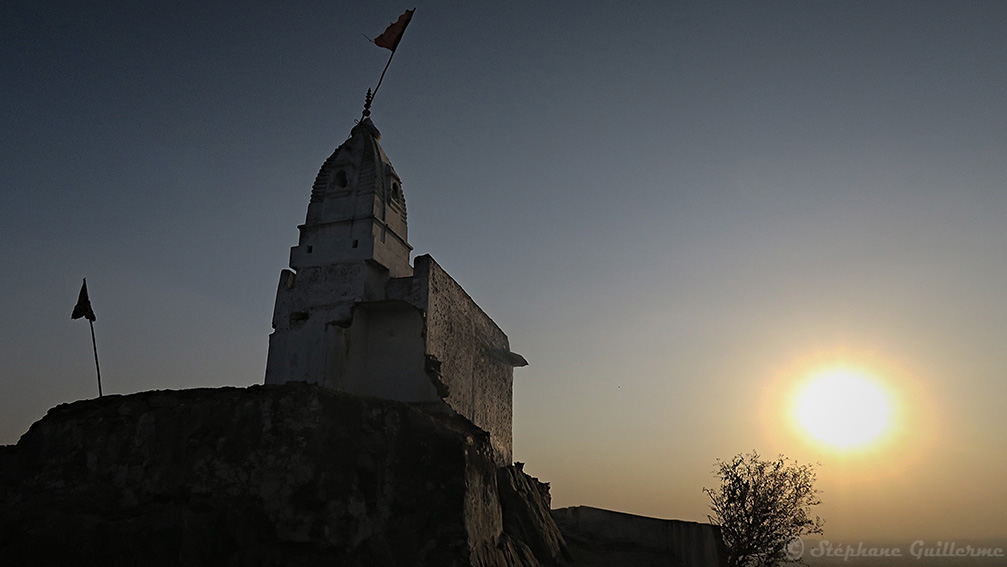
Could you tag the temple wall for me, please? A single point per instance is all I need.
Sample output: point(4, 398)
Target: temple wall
point(466, 348)
point(380, 353)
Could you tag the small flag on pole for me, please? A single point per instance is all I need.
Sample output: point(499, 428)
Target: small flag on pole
point(393, 34)
point(389, 40)
point(83, 307)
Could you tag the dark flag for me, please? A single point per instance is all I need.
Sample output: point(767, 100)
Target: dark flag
point(393, 35)
point(83, 307)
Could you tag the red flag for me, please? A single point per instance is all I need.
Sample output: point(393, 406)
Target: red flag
point(393, 34)
point(83, 307)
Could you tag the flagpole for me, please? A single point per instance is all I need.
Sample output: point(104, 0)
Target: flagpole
point(383, 73)
point(94, 345)
point(370, 94)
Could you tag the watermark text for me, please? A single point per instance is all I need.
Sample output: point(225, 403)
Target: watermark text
point(919, 549)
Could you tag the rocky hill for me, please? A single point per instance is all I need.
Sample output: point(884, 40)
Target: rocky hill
point(286, 475)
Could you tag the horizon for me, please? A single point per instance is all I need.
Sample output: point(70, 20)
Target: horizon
point(679, 214)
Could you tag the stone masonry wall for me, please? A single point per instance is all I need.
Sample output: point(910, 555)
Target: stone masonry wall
point(604, 538)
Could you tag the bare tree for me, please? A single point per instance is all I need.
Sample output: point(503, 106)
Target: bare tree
point(761, 506)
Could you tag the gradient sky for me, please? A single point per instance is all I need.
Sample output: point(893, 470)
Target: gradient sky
point(675, 210)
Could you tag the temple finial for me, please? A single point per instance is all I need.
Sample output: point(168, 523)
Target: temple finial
point(367, 104)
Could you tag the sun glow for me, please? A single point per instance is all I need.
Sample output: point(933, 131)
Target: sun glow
point(862, 415)
point(843, 409)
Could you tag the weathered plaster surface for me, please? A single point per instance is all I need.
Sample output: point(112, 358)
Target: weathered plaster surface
point(469, 350)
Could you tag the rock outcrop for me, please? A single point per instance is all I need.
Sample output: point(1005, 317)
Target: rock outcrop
point(527, 514)
point(285, 475)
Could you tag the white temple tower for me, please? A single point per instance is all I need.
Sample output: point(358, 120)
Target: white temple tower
point(354, 315)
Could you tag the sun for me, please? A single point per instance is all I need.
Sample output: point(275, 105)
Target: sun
point(843, 409)
point(867, 416)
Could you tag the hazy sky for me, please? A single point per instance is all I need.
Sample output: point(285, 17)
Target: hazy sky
point(675, 210)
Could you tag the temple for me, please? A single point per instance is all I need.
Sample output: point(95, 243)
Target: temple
point(353, 314)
